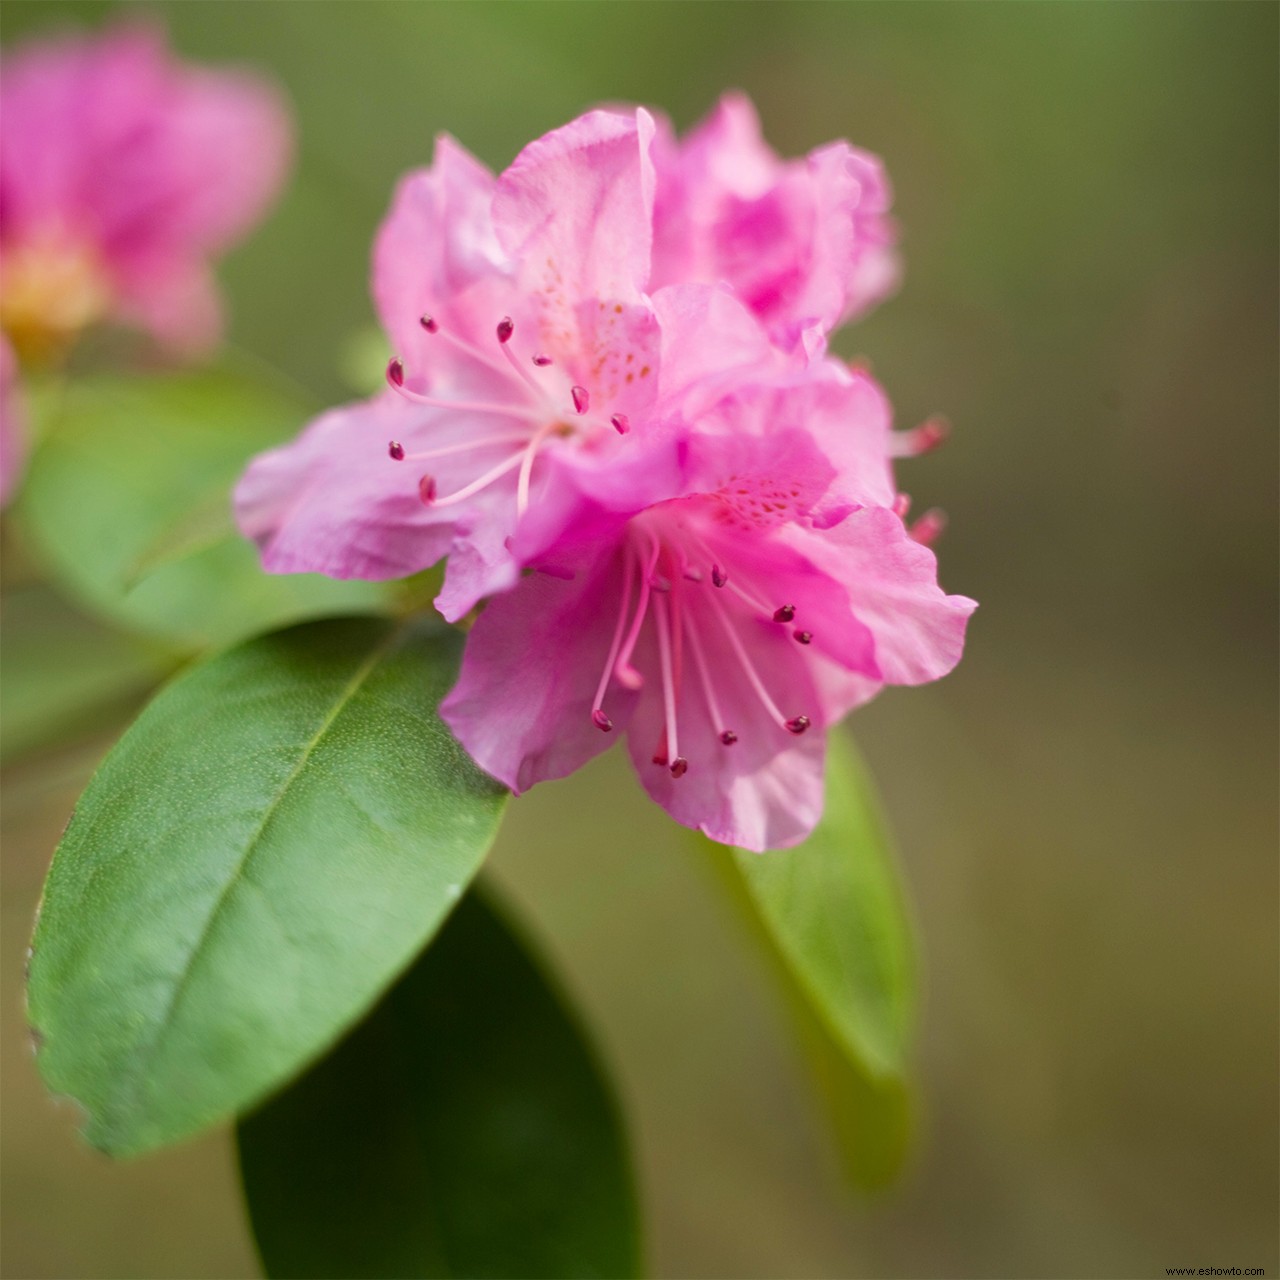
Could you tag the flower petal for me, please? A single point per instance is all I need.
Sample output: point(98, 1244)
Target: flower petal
point(522, 704)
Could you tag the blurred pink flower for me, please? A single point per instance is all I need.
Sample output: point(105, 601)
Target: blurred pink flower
point(122, 172)
point(12, 422)
point(806, 244)
point(532, 369)
point(724, 628)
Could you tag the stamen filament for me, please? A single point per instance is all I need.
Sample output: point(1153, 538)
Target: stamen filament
point(525, 376)
point(668, 680)
point(748, 668)
point(507, 464)
point(510, 437)
point(466, 406)
point(708, 690)
point(627, 675)
point(607, 674)
point(526, 465)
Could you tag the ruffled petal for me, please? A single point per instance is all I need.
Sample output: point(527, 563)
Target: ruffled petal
point(577, 207)
point(332, 501)
point(522, 704)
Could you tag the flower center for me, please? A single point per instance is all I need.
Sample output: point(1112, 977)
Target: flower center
point(544, 408)
point(53, 286)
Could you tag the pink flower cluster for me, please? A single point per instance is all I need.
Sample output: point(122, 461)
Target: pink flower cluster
point(611, 408)
point(122, 172)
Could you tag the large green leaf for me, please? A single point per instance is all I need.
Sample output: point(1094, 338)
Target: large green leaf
point(128, 498)
point(278, 834)
point(833, 914)
point(63, 673)
point(464, 1129)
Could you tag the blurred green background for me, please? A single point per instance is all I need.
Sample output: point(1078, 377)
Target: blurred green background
point(1086, 809)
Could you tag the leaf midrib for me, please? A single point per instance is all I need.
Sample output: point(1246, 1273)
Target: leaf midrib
point(349, 691)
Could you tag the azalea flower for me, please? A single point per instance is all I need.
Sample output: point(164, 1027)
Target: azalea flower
point(532, 367)
point(806, 244)
point(722, 629)
point(122, 173)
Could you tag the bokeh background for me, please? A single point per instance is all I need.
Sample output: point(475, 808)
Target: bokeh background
point(1086, 809)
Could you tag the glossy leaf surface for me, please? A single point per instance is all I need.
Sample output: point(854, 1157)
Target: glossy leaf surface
point(266, 848)
point(463, 1129)
point(833, 913)
point(128, 499)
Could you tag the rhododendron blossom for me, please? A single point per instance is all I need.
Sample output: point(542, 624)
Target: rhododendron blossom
point(616, 419)
point(724, 628)
point(531, 367)
point(122, 172)
point(805, 243)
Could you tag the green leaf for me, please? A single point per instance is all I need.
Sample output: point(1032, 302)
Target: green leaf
point(63, 674)
point(464, 1129)
point(279, 833)
point(833, 914)
point(128, 499)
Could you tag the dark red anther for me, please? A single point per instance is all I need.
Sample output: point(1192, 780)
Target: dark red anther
point(506, 327)
point(679, 767)
point(798, 724)
point(427, 490)
point(620, 423)
point(428, 324)
point(785, 613)
point(728, 737)
point(395, 371)
point(581, 400)
point(718, 576)
point(659, 757)
point(803, 637)
point(601, 721)
point(396, 450)
point(541, 361)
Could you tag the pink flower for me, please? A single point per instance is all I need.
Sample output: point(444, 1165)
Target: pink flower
point(12, 422)
point(122, 172)
point(532, 369)
point(806, 244)
point(724, 628)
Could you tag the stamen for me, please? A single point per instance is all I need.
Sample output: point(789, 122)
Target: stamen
point(597, 715)
point(581, 400)
point(427, 490)
point(396, 450)
point(785, 613)
point(798, 724)
point(526, 466)
point(508, 437)
point(464, 346)
point(718, 576)
point(803, 637)
point(753, 677)
point(663, 619)
point(627, 675)
point(506, 327)
point(507, 464)
point(679, 767)
point(727, 736)
point(395, 376)
point(925, 438)
point(428, 324)
point(541, 360)
point(620, 423)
